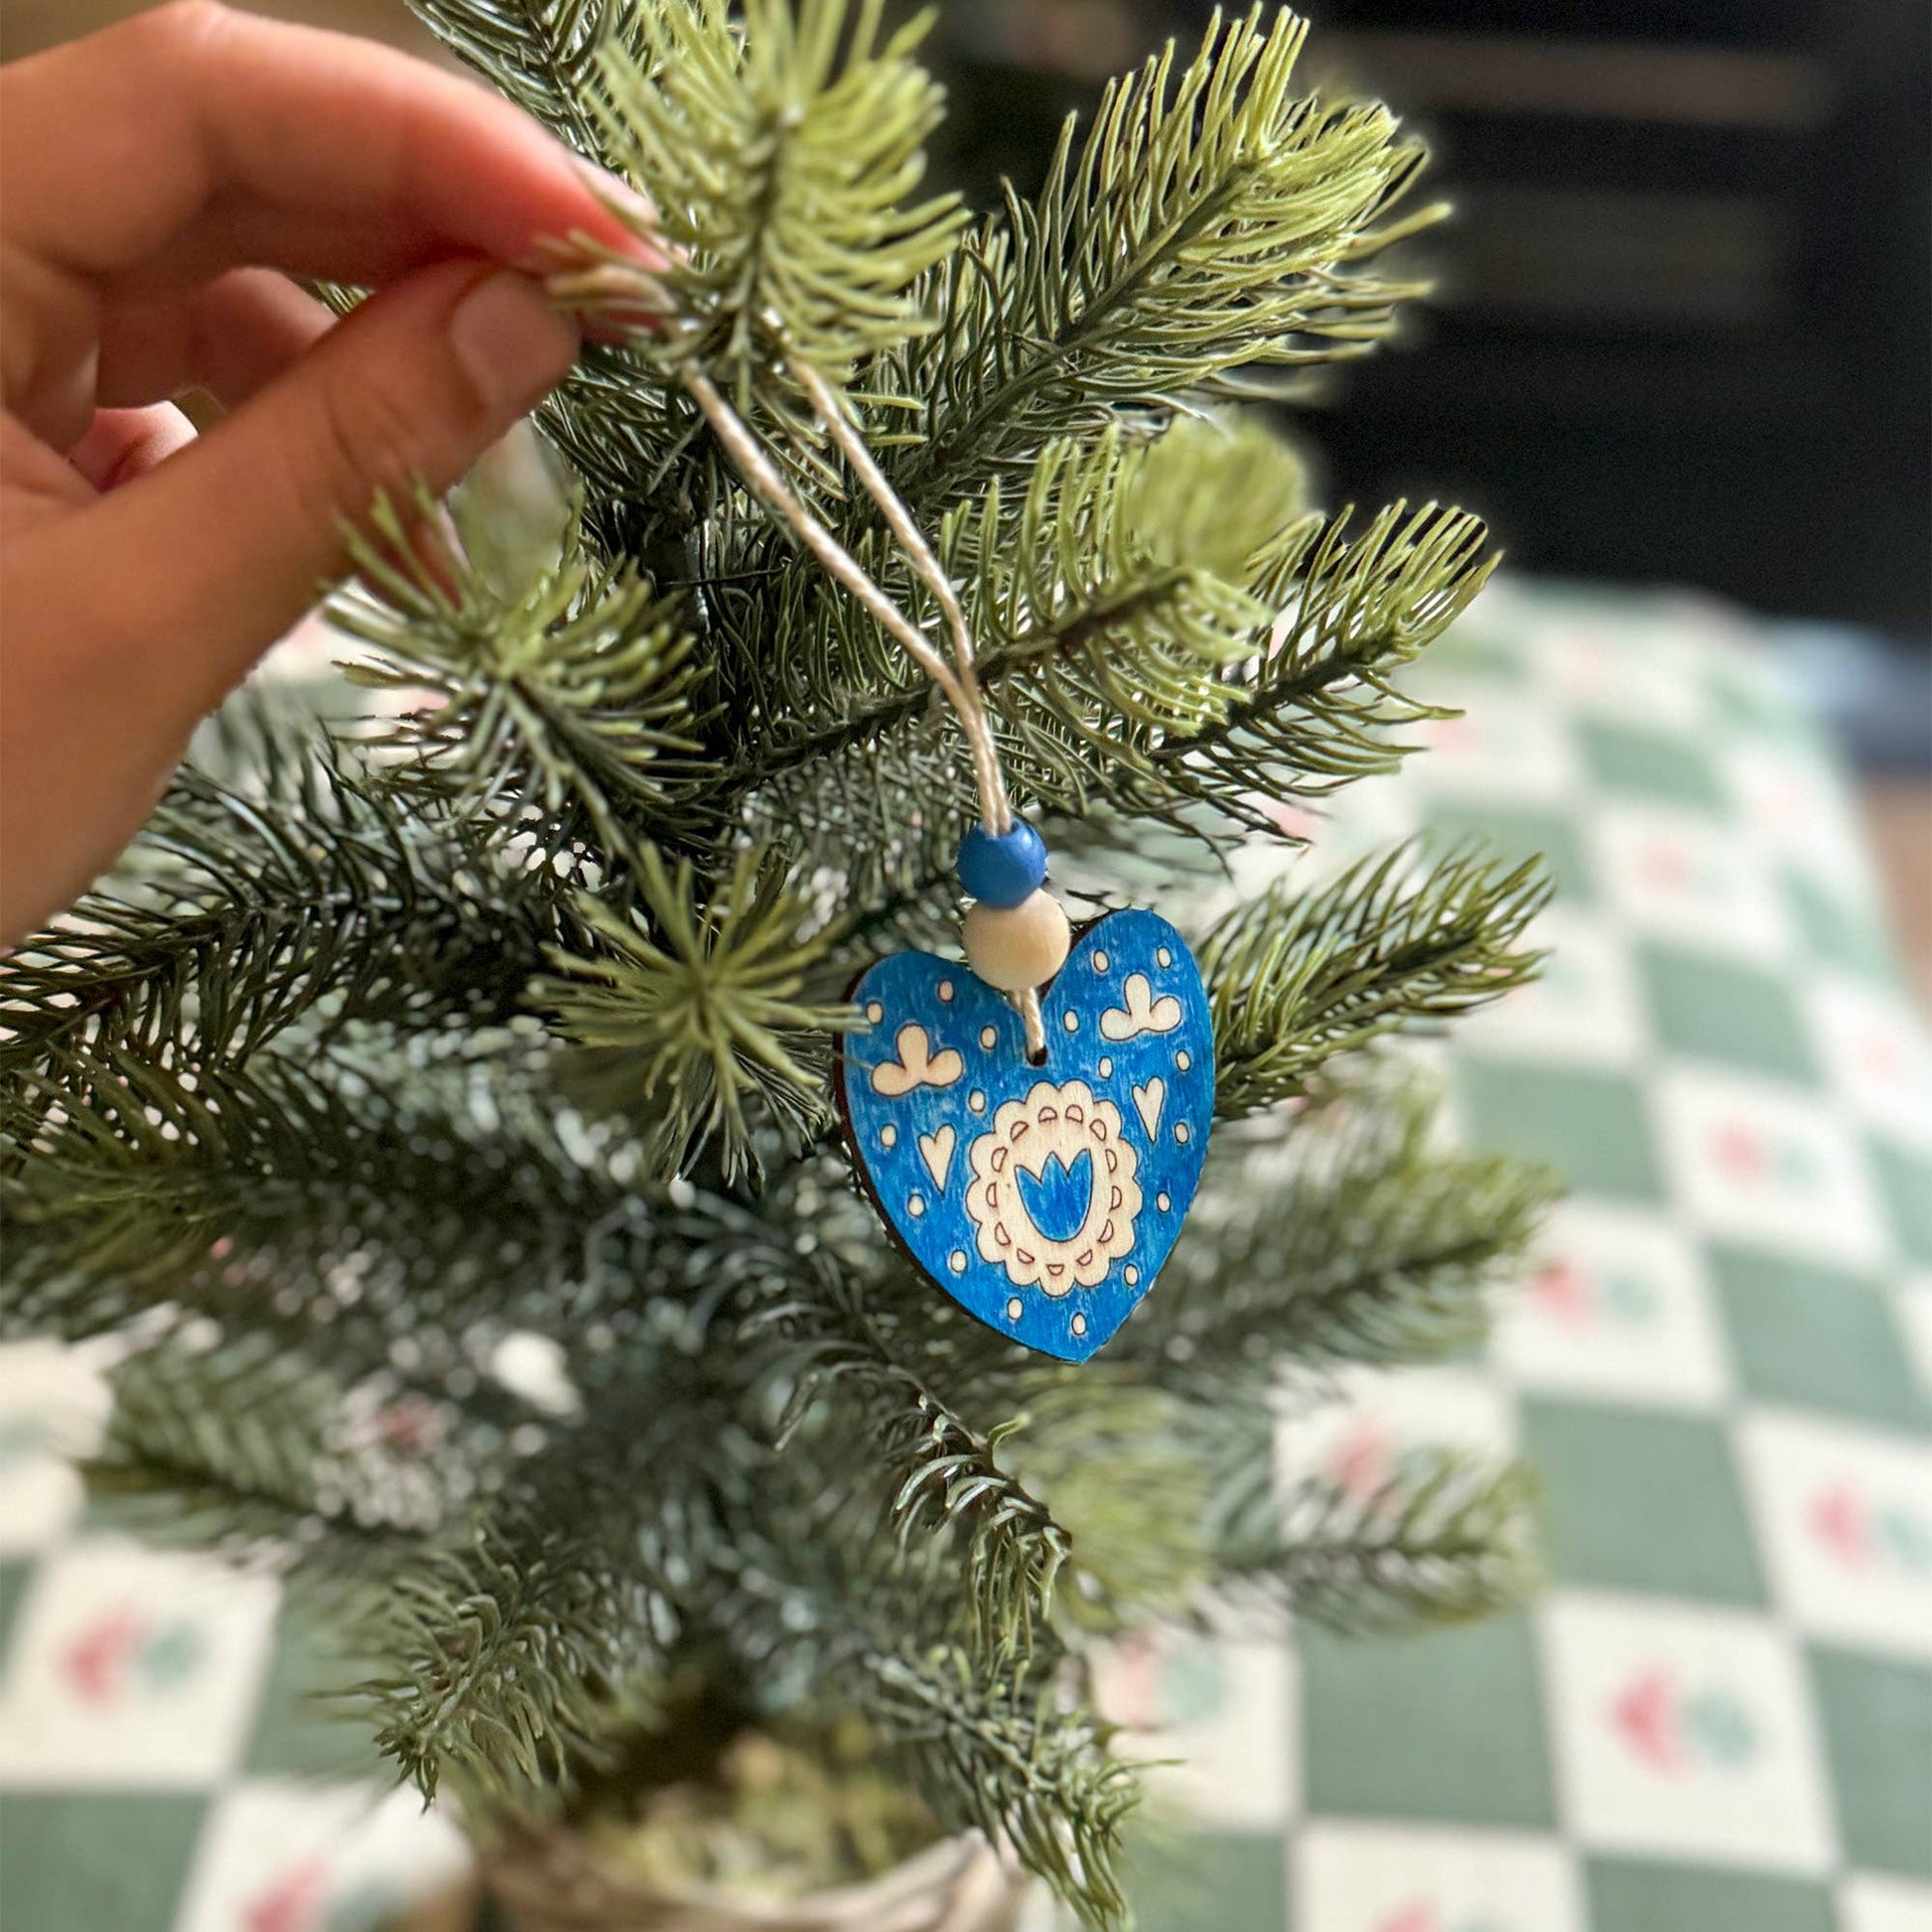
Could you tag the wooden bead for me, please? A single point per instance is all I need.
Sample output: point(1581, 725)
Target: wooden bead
point(1016, 948)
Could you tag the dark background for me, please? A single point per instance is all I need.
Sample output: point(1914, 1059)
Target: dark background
point(1681, 328)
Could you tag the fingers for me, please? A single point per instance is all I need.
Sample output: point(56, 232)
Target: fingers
point(221, 549)
point(123, 444)
point(232, 337)
point(191, 139)
point(200, 561)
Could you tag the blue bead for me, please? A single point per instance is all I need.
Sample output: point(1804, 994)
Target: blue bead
point(1003, 871)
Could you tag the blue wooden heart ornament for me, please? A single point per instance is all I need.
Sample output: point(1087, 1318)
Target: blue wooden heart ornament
point(1044, 1199)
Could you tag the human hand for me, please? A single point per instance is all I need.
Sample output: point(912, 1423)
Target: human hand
point(162, 180)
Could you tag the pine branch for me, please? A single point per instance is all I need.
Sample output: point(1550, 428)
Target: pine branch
point(778, 156)
point(1316, 708)
point(235, 1186)
point(544, 55)
point(1293, 981)
point(991, 1745)
point(699, 1006)
point(1444, 1540)
point(1004, 1757)
point(392, 1210)
point(1208, 222)
point(1132, 656)
point(1129, 1469)
point(249, 1446)
point(578, 696)
point(943, 1475)
point(1110, 603)
point(1108, 608)
point(510, 1667)
point(1377, 1247)
point(308, 899)
point(515, 1661)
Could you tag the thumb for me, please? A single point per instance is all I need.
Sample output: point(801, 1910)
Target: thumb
point(230, 541)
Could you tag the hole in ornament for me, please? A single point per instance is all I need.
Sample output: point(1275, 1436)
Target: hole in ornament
point(1039, 1058)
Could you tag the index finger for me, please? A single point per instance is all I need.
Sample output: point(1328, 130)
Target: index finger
point(193, 139)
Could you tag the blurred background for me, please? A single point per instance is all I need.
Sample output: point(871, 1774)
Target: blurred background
point(1681, 329)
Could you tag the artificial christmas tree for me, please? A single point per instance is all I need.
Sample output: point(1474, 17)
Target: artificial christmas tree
point(437, 1110)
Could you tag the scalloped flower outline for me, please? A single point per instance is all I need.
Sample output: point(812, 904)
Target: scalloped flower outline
point(1025, 1135)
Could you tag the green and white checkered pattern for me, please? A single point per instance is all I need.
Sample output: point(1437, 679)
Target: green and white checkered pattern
point(1717, 1718)
point(161, 1766)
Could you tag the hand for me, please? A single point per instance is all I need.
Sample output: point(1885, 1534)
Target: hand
point(157, 178)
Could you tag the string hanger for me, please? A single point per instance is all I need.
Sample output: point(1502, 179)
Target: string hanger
point(1015, 934)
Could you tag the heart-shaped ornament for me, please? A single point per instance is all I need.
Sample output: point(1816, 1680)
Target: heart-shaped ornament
point(1044, 1199)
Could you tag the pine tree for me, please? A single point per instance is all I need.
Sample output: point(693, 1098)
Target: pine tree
point(396, 1059)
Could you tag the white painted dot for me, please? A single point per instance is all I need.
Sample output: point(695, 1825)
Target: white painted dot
point(916, 1204)
point(977, 1101)
point(889, 1134)
point(1106, 1068)
point(956, 1261)
point(989, 1035)
point(1071, 1022)
point(1079, 1324)
point(1164, 957)
point(875, 1013)
point(1015, 1308)
point(1159, 1200)
point(1183, 1133)
point(1183, 1060)
point(1131, 1275)
point(945, 989)
point(1100, 962)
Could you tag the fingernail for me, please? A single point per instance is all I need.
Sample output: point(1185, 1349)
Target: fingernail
point(511, 343)
point(632, 208)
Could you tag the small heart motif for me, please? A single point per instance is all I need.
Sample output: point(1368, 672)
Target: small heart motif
point(936, 1149)
point(1046, 1199)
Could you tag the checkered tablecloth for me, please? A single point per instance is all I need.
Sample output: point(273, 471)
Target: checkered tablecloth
point(1718, 1717)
